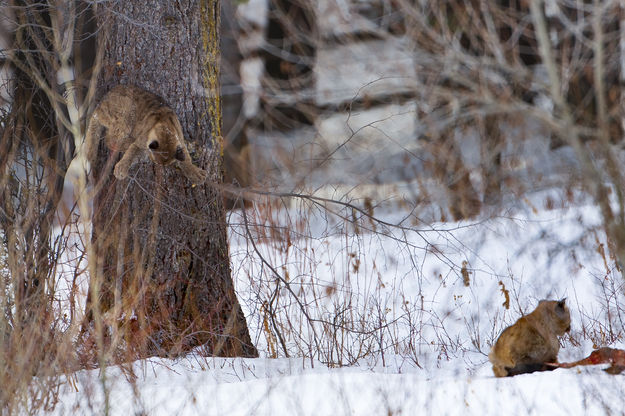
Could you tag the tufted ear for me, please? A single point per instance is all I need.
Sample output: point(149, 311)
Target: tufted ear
point(562, 303)
point(179, 154)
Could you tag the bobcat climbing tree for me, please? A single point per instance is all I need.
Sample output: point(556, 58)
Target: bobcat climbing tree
point(161, 276)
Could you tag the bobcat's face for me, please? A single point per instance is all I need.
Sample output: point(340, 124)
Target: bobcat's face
point(164, 146)
point(557, 315)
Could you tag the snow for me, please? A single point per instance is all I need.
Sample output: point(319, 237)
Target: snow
point(282, 386)
point(430, 358)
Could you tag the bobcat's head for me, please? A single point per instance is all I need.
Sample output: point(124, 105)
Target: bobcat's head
point(556, 314)
point(164, 145)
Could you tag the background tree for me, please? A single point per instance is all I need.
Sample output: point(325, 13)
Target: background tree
point(516, 64)
point(161, 273)
point(42, 90)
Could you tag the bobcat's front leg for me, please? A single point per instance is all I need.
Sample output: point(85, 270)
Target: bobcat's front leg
point(123, 166)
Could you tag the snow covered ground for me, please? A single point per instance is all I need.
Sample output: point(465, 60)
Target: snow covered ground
point(284, 387)
point(409, 311)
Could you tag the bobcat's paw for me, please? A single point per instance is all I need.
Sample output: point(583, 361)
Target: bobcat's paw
point(120, 171)
point(196, 175)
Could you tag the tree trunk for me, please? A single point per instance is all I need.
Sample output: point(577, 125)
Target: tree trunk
point(162, 273)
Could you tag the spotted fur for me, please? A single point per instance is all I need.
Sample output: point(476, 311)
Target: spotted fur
point(139, 122)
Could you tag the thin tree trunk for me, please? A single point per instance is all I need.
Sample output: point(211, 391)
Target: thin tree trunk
point(162, 271)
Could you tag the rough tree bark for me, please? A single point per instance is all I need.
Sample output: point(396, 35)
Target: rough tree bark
point(162, 273)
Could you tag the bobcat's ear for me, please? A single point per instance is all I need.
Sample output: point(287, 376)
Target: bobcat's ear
point(562, 303)
point(179, 154)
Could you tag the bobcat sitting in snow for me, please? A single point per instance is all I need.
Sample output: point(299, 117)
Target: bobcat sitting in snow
point(532, 342)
